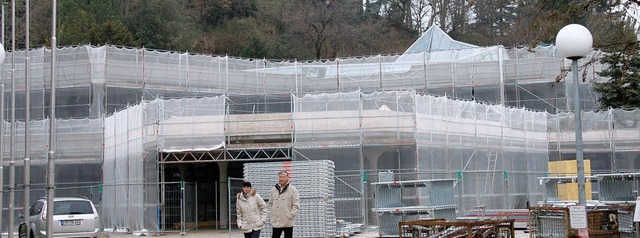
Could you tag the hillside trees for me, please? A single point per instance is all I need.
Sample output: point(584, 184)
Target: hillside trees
point(315, 28)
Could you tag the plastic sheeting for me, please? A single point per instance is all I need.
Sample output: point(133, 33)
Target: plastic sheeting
point(482, 144)
point(610, 139)
point(360, 112)
point(98, 80)
point(123, 171)
point(495, 151)
point(190, 124)
point(330, 118)
point(435, 137)
point(130, 181)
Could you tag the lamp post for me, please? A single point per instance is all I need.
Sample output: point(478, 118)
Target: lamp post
point(27, 117)
point(573, 42)
point(2, 55)
point(51, 165)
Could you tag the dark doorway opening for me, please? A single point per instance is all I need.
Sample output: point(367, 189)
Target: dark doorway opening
point(191, 196)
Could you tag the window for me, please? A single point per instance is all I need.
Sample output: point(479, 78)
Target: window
point(36, 208)
point(72, 207)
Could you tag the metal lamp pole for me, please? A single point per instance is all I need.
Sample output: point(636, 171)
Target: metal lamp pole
point(12, 151)
point(2, 55)
point(27, 118)
point(3, 4)
point(52, 126)
point(582, 197)
point(2, 104)
point(574, 42)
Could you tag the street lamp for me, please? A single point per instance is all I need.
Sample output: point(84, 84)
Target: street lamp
point(2, 56)
point(52, 124)
point(573, 42)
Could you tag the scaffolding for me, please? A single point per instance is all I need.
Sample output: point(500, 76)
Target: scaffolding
point(488, 117)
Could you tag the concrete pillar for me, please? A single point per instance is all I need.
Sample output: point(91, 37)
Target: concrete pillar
point(371, 155)
point(224, 194)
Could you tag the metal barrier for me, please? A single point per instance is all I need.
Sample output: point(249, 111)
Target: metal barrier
point(349, 198)
point(178, 210)
point(510, 190)
point(618, 187)
point(235, 187)
point(91, 191)
point(173, 208)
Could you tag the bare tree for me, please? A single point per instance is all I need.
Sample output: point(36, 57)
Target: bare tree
point(420, 10)
point(459, 14)
point(440, 10)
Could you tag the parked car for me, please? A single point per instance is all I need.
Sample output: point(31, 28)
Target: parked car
point(72, 217)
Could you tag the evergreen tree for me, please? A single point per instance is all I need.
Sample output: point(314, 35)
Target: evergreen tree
point(255, 48)
point(80, 20)
point(622, 90)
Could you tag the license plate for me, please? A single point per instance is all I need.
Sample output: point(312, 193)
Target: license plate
point(71, 222)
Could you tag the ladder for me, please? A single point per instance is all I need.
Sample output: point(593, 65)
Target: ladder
point(491, 169)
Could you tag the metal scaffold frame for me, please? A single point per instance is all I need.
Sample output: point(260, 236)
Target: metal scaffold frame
point(270, 154)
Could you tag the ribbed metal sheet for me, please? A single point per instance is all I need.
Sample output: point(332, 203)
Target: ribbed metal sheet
point(316, 187)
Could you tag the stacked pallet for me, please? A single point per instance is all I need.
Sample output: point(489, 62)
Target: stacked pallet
point(316, 187)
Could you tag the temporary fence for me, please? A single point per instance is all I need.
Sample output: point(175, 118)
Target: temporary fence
point(177, 210)
point(235, 187)
point(466, 196)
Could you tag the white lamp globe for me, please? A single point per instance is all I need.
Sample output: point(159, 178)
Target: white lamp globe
point(574, 41)
point(2, 53)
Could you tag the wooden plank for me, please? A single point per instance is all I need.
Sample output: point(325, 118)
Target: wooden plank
point(569, 191)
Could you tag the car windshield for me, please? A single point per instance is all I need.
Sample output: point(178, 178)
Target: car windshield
point(72, 207)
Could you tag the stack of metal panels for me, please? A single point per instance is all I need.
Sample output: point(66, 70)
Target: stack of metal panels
point(316, 187)
point(398, 201)
point(346, 229)
point(618, 187)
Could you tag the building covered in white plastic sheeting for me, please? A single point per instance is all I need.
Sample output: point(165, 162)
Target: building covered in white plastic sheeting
point(152, 137)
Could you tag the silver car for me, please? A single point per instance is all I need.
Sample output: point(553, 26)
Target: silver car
point(72, 217)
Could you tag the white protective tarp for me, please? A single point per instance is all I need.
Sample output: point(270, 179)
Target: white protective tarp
point(489, 147)
point(330, 118)
point(190, 124)
point(123, 171)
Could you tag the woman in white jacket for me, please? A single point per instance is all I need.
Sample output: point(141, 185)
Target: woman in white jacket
point(251, 210)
